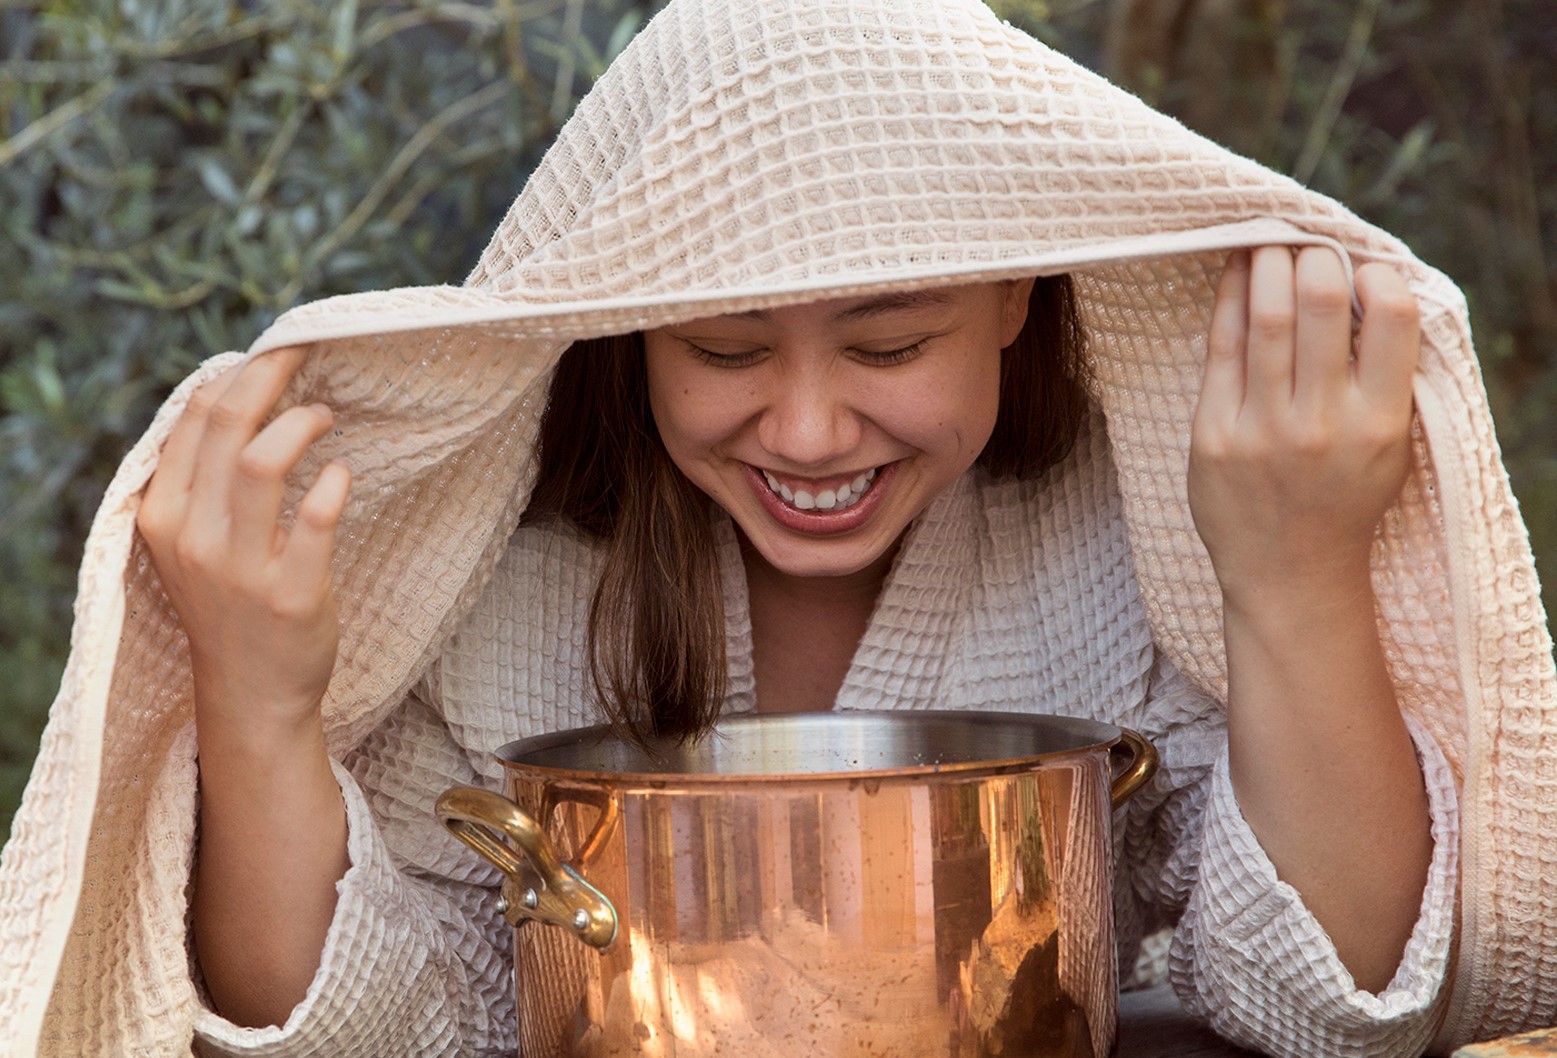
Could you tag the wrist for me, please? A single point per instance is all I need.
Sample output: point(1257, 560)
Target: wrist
point(1300, 596)
point(259, 738)
point(254, 710)
point(262, 776)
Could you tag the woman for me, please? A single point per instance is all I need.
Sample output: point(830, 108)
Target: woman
point(824, 431)
point(826, 242)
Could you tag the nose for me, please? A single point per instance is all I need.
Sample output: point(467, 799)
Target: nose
point(808, 421)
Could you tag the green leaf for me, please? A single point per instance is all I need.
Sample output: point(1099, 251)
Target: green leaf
point(121, 291)
point(249, 218)
point(345, 31)
point(625, 29)
point(217, 181)
point(51, 388)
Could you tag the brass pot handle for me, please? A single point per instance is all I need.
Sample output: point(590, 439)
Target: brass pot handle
point(478, 818)
point(598, 798)
point(1140, 766)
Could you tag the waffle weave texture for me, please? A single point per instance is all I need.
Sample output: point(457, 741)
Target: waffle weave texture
point(747, 154)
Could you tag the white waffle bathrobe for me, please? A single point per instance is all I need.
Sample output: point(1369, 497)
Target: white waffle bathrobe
point(978, 613)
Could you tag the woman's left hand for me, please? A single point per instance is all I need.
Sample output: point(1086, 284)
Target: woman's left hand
point(1299, 446)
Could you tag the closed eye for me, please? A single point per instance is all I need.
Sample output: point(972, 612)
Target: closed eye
point(874, 357)
point(886, 357)
point(708, 356)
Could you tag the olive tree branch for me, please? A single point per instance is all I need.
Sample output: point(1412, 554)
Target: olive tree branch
point(414, 148)
point(1340, 87)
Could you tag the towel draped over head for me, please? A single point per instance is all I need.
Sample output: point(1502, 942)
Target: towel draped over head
point(742, 154)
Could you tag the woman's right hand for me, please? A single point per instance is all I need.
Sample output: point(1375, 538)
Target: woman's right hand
point(252, 591)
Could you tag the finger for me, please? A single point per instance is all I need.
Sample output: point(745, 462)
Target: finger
point(1391, 338)
point(231, 423)
point(1222, 387)
point(310, 543)
point(176, 462)
point(260, 477)
point(164, 504)
point(1322, 368)
point(1272, 313)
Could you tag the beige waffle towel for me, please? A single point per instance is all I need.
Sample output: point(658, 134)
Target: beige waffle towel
point(752, 153)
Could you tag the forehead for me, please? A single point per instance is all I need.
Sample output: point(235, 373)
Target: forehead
point(847, 310)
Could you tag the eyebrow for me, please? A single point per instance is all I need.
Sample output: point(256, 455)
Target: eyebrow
point(896, 301)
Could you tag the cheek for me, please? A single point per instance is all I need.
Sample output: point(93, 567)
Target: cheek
point(668, 396)
point(955, 412)
point(984, 392)
point(690, 414)
point(980, 408)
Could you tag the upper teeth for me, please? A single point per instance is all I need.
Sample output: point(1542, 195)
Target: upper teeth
point(845, 495)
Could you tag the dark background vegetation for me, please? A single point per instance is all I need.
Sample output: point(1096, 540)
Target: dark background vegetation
point(176, 173)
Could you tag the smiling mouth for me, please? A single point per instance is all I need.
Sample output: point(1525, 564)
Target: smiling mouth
point(831, 499)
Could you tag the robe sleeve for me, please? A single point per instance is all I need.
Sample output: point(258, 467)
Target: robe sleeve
point(1247, 956)
point(417, 959)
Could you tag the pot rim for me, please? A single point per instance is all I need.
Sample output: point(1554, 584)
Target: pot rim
point(546, 756)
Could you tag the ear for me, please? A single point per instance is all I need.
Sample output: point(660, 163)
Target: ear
point(1015, 294)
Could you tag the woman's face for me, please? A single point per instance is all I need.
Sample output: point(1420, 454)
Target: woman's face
point(825, 429)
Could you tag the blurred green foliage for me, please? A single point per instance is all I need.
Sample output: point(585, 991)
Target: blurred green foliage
point(176, 173)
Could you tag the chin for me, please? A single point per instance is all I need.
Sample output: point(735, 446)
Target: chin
point(822, 559)
point(820, 569)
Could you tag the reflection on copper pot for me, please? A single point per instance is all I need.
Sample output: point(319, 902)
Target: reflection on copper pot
point(822, 884)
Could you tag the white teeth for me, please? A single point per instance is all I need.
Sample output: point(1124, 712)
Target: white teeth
point(845, 495)
point(779, 487)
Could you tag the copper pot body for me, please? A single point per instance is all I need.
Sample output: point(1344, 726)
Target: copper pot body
point(842, 884)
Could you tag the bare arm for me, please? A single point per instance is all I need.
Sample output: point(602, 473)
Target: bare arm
point(254, 597)
point(1297, 452)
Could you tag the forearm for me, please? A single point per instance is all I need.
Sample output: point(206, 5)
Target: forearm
point(252, 587)
point(1323, 766)
point(272, 847)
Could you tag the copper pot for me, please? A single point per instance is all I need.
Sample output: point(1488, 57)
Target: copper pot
point(818, 884)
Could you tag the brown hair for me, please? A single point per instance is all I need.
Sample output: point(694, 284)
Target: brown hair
point(656, 623)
